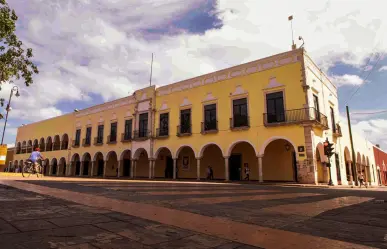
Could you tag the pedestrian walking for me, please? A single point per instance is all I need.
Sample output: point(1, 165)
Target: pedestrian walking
point(361, 180)
point(211, 173)
point(247, 173)
point(208, 172)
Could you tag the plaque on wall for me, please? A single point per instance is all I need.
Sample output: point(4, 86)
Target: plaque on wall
point(301, 149)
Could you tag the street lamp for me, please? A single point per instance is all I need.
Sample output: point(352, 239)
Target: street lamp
point(8, 108)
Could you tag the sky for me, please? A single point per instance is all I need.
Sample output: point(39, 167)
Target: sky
point(92, 51)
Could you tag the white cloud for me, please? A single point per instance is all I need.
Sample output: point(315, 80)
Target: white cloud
point(346, 79)
point(383, 68)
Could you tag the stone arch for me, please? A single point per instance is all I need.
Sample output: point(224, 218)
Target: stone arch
point(42, 144)
point(75, 157)
point(182, 147)
point(111, 166)
point(348, 164)
point(142, 164)
point(46, 166)
point(163, 163)
point(65, 142)
point(85, 164)
point(75, 165)
point(186, 162)
point(268, 141)
point(86, 157)
point(126, 163)
point(29, 146)
point(35, 144)
point(211, 155)
point(321, 160)
point(56, 143)
point(232, 146)
point(54, 166)
point(49, 144)
point(99, 162)
point(62, 166)
point(279, 160)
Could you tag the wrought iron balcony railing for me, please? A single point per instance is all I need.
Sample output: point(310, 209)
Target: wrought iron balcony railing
point(112, 139)
point(76, 143)
point(209, 127)
point(126, 137)
point(184, 130)
point(337, 131)
point(141, 134)
point(98, 141)
point(86, 142)
point(303, 115)
point(162, 132)
point(239, 122)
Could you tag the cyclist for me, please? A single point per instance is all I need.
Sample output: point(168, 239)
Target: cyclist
point(35, 156)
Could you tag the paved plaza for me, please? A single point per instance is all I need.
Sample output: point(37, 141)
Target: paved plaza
point(80, 213)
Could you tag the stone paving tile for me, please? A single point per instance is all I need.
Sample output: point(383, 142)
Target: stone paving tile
point(355, 233)
point(121, 243)
point(197, 241)
point(234, 245)
point(79, 220)
point(5, 227)
point(149, 235)
point(132, 219)
point(32, 225)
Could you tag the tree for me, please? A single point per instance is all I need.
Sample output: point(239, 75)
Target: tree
point(15, 62)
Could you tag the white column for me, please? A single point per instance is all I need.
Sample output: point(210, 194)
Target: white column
point(133, 164)
point(120, 166)
point(104, 169)
point(150, 169)
point(153, 168)
point(260, 174)
point(198, 168)
point(81, 168)
point(226, 172)
point(69, 168)
point(174, 168)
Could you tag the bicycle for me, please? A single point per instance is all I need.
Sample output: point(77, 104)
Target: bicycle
point(29, 169)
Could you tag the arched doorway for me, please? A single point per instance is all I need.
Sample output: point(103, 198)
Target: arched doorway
point(49, 144)
point(186, 164)
point(142, 165)
point(163, 163)
point(279, 161)
point(348, 165)
point(42, 144)
point(99, 164)
point(212, 156)
point(18, 148)
point(242, 155)
point(75, 165)
point(86, 164)
point(46, 164)
point(358, 164)
point(111, 168)
point(62, 167)
point(126, 163)
point(24, 147)
point(65, 142)
point(35, 144)
point(54, 165)
point(29, 146)
point(368, 170)
point(322, 169)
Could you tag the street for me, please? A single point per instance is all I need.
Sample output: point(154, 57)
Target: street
point(100, 213)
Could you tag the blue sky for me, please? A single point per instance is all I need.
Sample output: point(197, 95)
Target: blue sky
point(89, 52)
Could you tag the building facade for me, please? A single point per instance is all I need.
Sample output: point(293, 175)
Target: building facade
point(271, 116)
point(381, 165)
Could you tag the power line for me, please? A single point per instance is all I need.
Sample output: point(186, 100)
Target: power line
point(365, 79)
point(368, 113)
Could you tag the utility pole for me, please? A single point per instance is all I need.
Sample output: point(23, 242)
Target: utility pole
point(354, 168)
point(150, 78)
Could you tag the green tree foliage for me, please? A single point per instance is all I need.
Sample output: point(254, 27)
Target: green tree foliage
point(15, 62)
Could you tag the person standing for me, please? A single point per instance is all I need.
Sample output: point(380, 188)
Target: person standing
point(211, 173)
point(361, 180)
point(247, 173)
point(208, 172)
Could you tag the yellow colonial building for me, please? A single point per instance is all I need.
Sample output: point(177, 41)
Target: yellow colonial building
point(270, 116)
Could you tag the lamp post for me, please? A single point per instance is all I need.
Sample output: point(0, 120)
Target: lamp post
point(14, 89)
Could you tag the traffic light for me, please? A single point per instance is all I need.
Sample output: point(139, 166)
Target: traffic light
point(328, 148)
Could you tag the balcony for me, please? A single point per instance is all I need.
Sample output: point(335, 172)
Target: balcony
point(75, 143)
point(98, 141)
point(184, 130)
point(209, 127)
point(296, 116)
point(112, 139)
point(86, 142)
point(162, 132)
point(239, 122)
point(336, 131)
point(56, 147)
point(126, 137)
point(141, 135)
